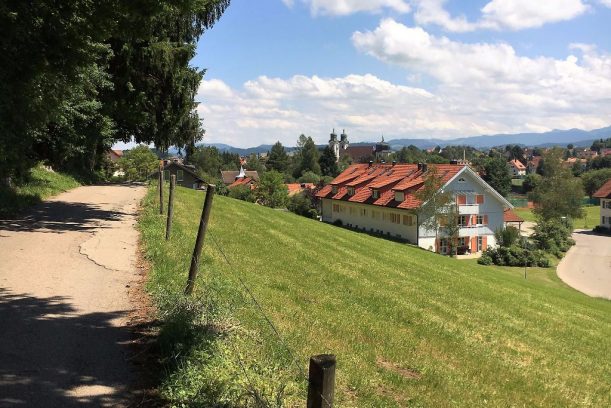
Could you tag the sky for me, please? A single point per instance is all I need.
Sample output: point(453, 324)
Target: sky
point(403, 69)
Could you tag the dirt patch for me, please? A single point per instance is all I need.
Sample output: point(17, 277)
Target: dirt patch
point(404, 372)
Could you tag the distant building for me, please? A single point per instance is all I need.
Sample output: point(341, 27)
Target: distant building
point(572, 161)
point(381, 198)
point(296, 188)
point(516, 168)
point(370, 152)
point(185, 175)
point(533, 164)
point(114, 155)
point(338, 145)
point(230, 176)
point(585, 154)
point(604, 193)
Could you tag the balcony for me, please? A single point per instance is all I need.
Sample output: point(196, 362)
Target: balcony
point(475, 231)
point(466, 209)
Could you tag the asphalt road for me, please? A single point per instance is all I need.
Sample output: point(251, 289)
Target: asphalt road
point(65, 269)
point(587, 265)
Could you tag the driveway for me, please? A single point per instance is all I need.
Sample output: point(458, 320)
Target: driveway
point(65, 271)
point(587, 265)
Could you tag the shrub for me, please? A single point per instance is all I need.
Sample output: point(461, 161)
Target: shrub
point(508, 236)
point(602, 230)
point(301, 204)
point(243, 193)
point(338, 223)
point(552, 236)
point(514, 256)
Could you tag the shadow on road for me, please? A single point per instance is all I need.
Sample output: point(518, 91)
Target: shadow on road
point(59, 216)
point(52, 357)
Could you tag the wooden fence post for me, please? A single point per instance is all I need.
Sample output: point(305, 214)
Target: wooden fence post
point(160, 189)
point(199, 242)
point(168, 227)
point(321, 384)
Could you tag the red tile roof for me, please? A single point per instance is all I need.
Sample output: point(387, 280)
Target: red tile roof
point(517, 164)
point(386, 179)
point(294, 188)
point(604, 191)
point(510, 216)
point(244, 181)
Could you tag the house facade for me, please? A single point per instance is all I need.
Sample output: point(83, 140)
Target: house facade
point(604, 193)
point(185, 176)
point(382, 199)
point(516, 168)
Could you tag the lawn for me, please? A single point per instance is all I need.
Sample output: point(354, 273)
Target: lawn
point(589, 221)
point(409, 328)
point(41, 185)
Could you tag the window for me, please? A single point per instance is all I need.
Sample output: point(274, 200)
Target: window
point(462, 241)
point(352, 210)
point(480, 243)
point(375, 193)
point(463, 220)
point(480, 220)
point(350, 191)
point(336, 208)
point(399, 196)
point(334, 189)
point(408, 220)
point(179, 175)
point(363, 212)
point(374, 214)
point(395, 218)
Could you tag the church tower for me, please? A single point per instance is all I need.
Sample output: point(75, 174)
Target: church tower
point(334, 144)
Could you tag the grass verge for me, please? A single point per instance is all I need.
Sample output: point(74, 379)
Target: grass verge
point(41, 185)
point(409, 328)
point(589, 220)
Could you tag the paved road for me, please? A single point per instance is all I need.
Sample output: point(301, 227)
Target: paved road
point(65, 268)
point(587, 265)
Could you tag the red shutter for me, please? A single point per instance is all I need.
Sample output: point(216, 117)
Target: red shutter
point(474, 220)
point(485, 220)
point(484, 243)
point(474, 244)
point(479, 199)
point(461, 199)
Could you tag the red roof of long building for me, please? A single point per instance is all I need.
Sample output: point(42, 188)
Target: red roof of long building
point(604, 191)
point(386, 179)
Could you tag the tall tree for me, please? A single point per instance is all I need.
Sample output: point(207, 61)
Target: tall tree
point(307, 157)
point(271, 190)
point(277, 159)
point(495, 172)
point(328, 162)
point(559, 194)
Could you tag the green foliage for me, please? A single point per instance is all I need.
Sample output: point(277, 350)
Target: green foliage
point(307, 156)
point(209, 160)
point(507, 236)
point(553, 236)
point(458, 152)
point(600, 162)
point(594, 179)
point(514, 256)
point(303, 204)
point(496, 173)
point(277, 159)
point(432, 329)
point(309, 177)
point(530, 182)
point(559, 194)
point(271, 190)
point(38, 185)
point(138, 163)
point(598, 145)
point(242, 192)
point(409, 154)
point(328, 163)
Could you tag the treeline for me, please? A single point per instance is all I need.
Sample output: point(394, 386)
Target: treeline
point(77, 76)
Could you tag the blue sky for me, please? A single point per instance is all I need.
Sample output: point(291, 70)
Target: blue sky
point(404, 68)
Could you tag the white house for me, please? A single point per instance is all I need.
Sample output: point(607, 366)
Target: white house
point(516, 168)
point(381, 198)
point(604, 193)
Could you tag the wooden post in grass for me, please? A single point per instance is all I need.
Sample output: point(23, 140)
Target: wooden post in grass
point(160, 189)
point(321, 383)
point(168, 227)
point(199, 242)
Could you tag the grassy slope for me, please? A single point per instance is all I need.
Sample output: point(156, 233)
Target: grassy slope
point(42, 185)
point(474, 335)
point(589, 221)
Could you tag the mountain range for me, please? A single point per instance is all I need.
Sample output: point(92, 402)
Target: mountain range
point(578, 137)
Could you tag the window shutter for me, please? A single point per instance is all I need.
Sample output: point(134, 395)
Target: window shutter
point(485, 220)
point(484, 243)
point(474, 220)
point(479, 199)
point(474, 244)
point(461, 199)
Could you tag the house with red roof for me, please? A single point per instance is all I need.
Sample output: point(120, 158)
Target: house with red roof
point(604, 193)
point(516, 168)
point(383, 199)
point(296, 188)
point(533, 164)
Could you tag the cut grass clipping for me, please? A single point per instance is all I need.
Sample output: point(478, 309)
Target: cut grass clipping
point(409, 328)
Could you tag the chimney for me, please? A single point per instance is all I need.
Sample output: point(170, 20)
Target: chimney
point(419, 166)
point(370, 163)
point(453, 161)
point(425, 167)
point(394, 162)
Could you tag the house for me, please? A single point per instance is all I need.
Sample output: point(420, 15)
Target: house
point(604, 193)
point(516, 168)
point(244, 179)
point(185, 175)
point(381, 198)
point(296, 188)
point(605, 152)
point(586, 154)
point(230, 176)
point(572, 161)
point(533, 164)
point(114, 155)
point(363, 153)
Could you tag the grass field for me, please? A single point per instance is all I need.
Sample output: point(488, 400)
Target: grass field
point(589, 221)
point(409, 328)
point(41, 185)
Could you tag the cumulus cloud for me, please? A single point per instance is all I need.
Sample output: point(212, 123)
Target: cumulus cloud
point(346, 7)
point(500, 14)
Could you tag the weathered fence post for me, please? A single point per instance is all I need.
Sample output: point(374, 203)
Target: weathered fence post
point(199, 242)
point(161, 189)
point(168, 227)
point(321, 384)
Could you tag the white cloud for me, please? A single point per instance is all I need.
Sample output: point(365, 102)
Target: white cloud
point(605, 2)
point(346, 7)
point(501, 14)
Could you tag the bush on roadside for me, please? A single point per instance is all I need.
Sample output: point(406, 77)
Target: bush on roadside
point(514, 256)
point(553, 236)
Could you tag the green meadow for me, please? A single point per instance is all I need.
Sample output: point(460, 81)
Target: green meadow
point(408, 327)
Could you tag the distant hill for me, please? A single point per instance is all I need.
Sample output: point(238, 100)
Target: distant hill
point(577, 137)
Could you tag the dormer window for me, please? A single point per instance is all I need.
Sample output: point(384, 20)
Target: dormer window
point(399, 196)
point(334, 189)
point(375, 193)
point(350, 191)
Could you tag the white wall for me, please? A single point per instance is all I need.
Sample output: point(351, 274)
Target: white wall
point(376, 218)
point(605, 211)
